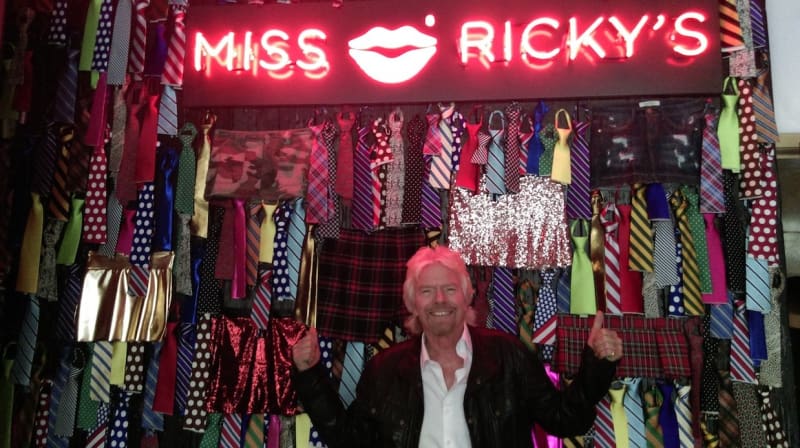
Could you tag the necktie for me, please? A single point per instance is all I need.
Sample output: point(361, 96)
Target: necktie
point(653, 400)
point(48, 281)
point(99, 386)
point(395, 172)
point(610, 219)
point(89, 35)
point(317, 193)
point(103, 38)
point(709, 396)
point(549, 139)
point(582, 298)
point(676, 296)
point(741, 363)
point(173, 69)
point(619, 417)
point(65, 420)
point(415, 169)
point(481, 154)
point(118, 122)
point(665, 262)
point(503, 309)
point(68, 301)
point(441, 162)
point(253, 240)
point(634, 411)
point(563, 290)
point(151, 419)
point(40, 427)
point(578, 193)
point(31, 249)
point(763, 109)
point(120, 40)
point(698, 230)
point(59, 196)
point(140, 251)
point(692, 299)
point(344, 163)
point(195, 406)
point(138, 37)
point(57, 34)
point(545, 314)
point(231, 433)
point(641, 237)
point(763, 231)
point(147, 138)
point(667, 418)
point(239, 281)
point(295, 237)
point(114, 219)
point(184, 366)
point(119, 425)
point(280, 274)
point(262, 301)
point(469, 172)
point(26, 345)
point(164, 401)
point(597, 249)
point(712, 199)
point(758, 24)
point(212, 432)
point(748, 403)
point(433, 142)
point(535, 146)
point(98, 435)
point(187, 173)
point(757, 336)
point(513, 115)
point(604, 425)
point(267, 234)
point(758, 285)
point(752, 176)
point(353, 365)
point(72, 233)
point(199, 224)
point(495, 167)
point(683, 414)
point(733, 235)
point(182, 270)
point(562, 169)
point(168, 112)
point(728, 126)
point(431, 203)
point(362, 209)
point(332, 227)
point(722, 320)
point(770, 420)
point(728, 413)
point(95, 225)
point(525, 300)
point(730, 32)
point(631, 286)
point(254, 438)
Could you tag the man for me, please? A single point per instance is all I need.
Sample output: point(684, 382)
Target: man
point(454, 385)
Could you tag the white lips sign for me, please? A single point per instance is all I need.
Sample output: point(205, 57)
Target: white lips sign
point(365, 51)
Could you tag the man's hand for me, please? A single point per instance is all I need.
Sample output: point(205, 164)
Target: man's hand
point(604, 342)
point(305, 353)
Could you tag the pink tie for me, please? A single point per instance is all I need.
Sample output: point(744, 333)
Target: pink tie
point(173, 66)
point(716, 263)
point(239, 283)
point(96, 132)
point(138, 37)
point(468, 172)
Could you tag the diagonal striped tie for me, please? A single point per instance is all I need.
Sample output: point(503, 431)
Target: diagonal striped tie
point(151, 419)
point(60, 381)
point(168, 112)
point(729, 434)
point(610, 219)
point(758, 24)
point(26, 345)
point(653, 400)
point(64, 105)
point(362, 209)
point(256, 216)
point(495, 166)
point(578, 193)
point(100, 387)
point(692, 296)
point(254, 437)
point(262, 302)
point(351, 371)
point(722, 321)
point(441, 162)
point(231, 432)
point(114, 220)
point(44, 165)
point(120, 40)
point(68, 302)
point(59, 196)
point(742, 368)
point(176, 52)
point(683, 413)
point(294, 244)
point(186, 350)
point(138, 37)
point(766, 128)
point(604, 425)
point(317, 192)
point(563, 292)
point(730, 31)
point(641, 238)
point(513, 147)
point(503, 309)
point(758, 285)
point(634, 411)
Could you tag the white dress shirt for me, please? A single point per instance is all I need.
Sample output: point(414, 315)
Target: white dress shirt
point(444, 424)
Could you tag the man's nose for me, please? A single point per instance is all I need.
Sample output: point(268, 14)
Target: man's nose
point(440, 296)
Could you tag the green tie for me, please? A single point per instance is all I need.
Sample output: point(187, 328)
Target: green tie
point(211, 436)
point(72, 234)
point(31, 250)
point(582, 297)
point(728, 126)
point(89, 36)
point(87, 408)
point(652, 407)
point(254, 438)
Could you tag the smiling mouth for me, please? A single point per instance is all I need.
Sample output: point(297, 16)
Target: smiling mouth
point(392, 56)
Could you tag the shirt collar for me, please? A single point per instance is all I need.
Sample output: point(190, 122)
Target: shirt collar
point(463, 348)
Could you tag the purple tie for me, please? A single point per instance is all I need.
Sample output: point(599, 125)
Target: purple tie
point(579, 201)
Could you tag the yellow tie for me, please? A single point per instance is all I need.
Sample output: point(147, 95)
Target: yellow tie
point(267, 234)
point(619, 417)
point(302, 428)
point(199, 223)
point(118, 357)
point(31, 250)
point(562, 168)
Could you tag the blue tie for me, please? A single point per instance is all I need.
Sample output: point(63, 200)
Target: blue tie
point(495, 168)
point(151, 419)
point(535, 146)
point(563, 292)
point(503, 307)
point(296, 235)
point(351, 371)
point(667, 418)
point(634, 410)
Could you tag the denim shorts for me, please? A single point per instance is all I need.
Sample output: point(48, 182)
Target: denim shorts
point(646, 142)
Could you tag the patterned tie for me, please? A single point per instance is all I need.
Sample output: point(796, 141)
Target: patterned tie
point(151, 419)
point(578, 193)
point(734, 235)
point(138, 37)
point(99, 386)
point(563, 292)
point(758, 24)
point(641, 238)
point(68, 302)
point(729, 434)
point(119, 424)
point(722, 321)
point(173, 68)
point(40, 427)
point(254, 437)
point(604, 425)
point(634, 410)
point(730, 32)
point(535, 146)
point(763, 231)
point(610, 219)
point(195, 406)
point(683, 413)
point(741, 363)
point(545, 316)
point(698, 230)
point(667, 418)
point(317, 193)
point(168, 112)
point(752, 177)
point(582, 298)
point(362, 209)
point(711, 192)
point(120, 40)
point(692, 298)
point(64, 106)
point(758, 285)
point(770, 420)
point(395, 172)
point(57, 34)
point(513, 147)
point(95, 225)
point(728, 126)
point(184, 366)
point(764, 112)
point(119, 119)
point(503, 310)
point(332, 227)
point(441, 162)
point(140, 251)
point(526, 304)
point(253, 241)
point(653, 400)
point(98, 435)
point(89, 36)
point(676, 293)
point(26, 345)
point(353, 365)
point(295, 238)
point(280, 274)
point(431, 203)
point(59, 196)
point(495, 167)
point(48, 281)
point(103, 38)
point(619, 416)
point(415, 170)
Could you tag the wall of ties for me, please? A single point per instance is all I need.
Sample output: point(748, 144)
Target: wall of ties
point(154, 281)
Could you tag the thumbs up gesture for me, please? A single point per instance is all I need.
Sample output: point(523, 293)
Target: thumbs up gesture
point(305, 353)
point(604, 342)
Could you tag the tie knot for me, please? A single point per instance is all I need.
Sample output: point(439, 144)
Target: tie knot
point(617, 395)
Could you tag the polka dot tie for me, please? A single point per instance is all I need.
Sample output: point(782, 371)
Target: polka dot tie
point(762, 237)
point(102, 43)
point(752, 178)
point(280, 268)
point(94, 213)
point(57, 34)
point(42, 415)
point(195, 401)
point(415, 168)
point(675, 304)
point(142, 235)
point(770, 421)
point(118, 434)
point(134, 367)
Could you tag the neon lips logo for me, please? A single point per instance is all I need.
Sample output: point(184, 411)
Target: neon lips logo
point(392, 56)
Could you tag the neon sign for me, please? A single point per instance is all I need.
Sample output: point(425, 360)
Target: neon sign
point(423, 49)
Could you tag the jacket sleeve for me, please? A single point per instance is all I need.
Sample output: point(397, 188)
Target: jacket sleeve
point(339, 427)
point(570, 411)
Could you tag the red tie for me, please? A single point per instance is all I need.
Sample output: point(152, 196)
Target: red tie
point(173, 67)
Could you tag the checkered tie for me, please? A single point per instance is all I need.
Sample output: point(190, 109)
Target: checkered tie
point(712, 199)
point(511, 163)
point(317, 194)
point(758, 285)
point(151, 419)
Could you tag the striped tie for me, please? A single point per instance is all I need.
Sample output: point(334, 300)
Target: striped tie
point(361, 213)
point(26, 345)
point(262, 301)
point(563, 292)
point(59, 196)
point(114, 220)
point(100, 387)
point(730, 31)
point(98, 435)
point(683, 413)
point(317, 192)
point(254, 437)
point(545, 320)
point(138, 37)
point(653, 400)
point(692, 296)
point(641, 238)
point(712, 199)
point(634, 410)
point(741, 364)
point(351, 372)
point(60, 381)
point(604, 425)
point(64, 106)
point(513, 147)
point(722, 321)
point(68, 302)
point(765, 114)
point(729, 434)
point(441, 166)
point(433, 141)
point(151, 419)
point(758, 24)
point(431, 206)
point(503, 308)
point(184, 366)
point(168, 112)
point(758, 285)
point(120, 40)
point(173, 66)
point(65, 420)
point(610, 219)
point(495, 166)
point(256, 213)
point(294, 254)
point(578, 193)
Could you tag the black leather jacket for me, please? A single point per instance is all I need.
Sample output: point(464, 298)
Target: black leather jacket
point(507, 390)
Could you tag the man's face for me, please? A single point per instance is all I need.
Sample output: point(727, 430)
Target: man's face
point(439, 301)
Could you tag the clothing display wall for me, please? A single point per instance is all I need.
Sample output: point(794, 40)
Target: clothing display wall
point(158, 263)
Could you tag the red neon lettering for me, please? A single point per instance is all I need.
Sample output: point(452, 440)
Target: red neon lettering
point(478, 35)
point(203, 51)
point(628, 36)
point(276, 51)
point(525, 40)
point(507, 50)
point(680, 29)
point(317, 64)
point(586, 38)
